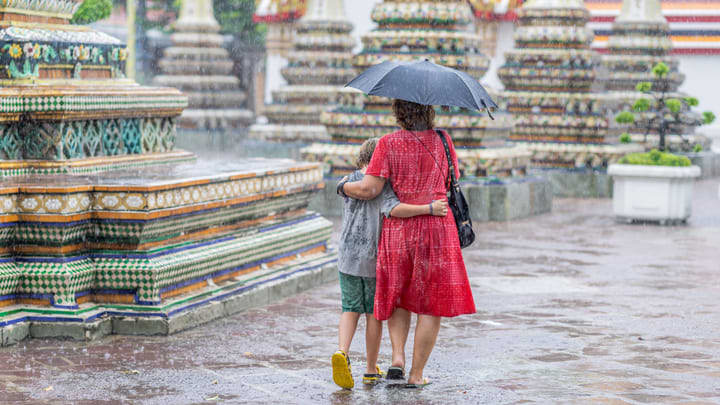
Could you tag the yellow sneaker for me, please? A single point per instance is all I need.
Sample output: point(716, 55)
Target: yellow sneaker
point(342, 373)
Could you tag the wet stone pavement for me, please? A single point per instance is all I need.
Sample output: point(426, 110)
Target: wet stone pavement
point(572, 308)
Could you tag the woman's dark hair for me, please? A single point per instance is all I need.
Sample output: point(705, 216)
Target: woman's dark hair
point(413, 116)
point(366, 152)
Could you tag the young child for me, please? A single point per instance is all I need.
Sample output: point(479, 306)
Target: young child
point(357, 257)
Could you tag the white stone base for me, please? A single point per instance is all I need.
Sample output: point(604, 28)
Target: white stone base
point(215, 119)
point(289, 133)
point(653, 193)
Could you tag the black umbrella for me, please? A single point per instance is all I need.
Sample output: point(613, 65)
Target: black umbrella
point(423, 82)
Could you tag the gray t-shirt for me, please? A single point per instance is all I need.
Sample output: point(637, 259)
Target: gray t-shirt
point(360, 231)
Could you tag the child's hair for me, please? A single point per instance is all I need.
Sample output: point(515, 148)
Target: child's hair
point(366, 152)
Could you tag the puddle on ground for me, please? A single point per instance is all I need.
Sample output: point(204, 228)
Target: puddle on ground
point(532, 285)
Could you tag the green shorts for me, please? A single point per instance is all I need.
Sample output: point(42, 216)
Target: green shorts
point(358, 293)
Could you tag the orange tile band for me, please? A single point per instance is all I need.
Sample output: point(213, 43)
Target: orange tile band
point(34, 301)
point(7, 303)
point(114, 298)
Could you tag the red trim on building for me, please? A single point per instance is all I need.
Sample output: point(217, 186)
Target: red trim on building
point(696, 51)
point(277, 18)
point(675, 51)
point(672, 19)
point(487, 15)
point(510, 15)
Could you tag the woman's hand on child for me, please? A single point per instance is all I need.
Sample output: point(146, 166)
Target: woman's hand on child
point(340, 186)
point(439, 208)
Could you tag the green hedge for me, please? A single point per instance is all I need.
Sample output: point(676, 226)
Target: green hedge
point(91, 11)
point(655, 158)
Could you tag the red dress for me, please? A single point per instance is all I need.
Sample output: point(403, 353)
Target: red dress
point(419, 266)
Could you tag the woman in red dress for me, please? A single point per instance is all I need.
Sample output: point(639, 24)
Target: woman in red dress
point(420, 268)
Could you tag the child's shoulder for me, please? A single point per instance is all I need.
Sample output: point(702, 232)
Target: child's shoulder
point(356, 175)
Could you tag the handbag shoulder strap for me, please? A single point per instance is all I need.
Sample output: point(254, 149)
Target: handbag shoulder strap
point(451, 166)
point(432, 156)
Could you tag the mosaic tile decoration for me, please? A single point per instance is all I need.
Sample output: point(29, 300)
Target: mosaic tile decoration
point(58, 279)
point(25, 51)
point(89, 312)
point(192, 226)
point(150, 275)
point(108, 101)
point(69, 34)
point(61, 8)
point(65, 140)
point(467, 128)
point(61, 280)
point(80, 235)
point(339, 159)
point(51, 234)
point(141, 232)
point(83, 232)
point(548, 77)
point(132, 201)
point(9, 278)
point(87, 166)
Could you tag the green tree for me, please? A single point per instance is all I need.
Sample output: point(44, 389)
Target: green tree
point(91, 11)
point(235, 17)
point(666, 111)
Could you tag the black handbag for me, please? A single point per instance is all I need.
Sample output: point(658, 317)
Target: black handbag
point(457, 202)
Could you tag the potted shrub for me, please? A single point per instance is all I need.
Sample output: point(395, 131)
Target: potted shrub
point(656, 186)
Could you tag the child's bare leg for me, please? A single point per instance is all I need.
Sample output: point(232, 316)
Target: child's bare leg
point(346, 331)
point(373, 334)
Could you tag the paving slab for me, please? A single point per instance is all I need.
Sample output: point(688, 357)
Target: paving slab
point(573, 308)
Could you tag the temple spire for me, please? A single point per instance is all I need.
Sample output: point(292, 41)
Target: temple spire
point(325, 10)
point(197, 16)
point(641, 11)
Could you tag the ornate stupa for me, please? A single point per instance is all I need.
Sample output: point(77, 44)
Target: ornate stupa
point(640, 39)
point(412, 30)
point(319, 65)
point(200, 67)
point(547, 80)
point(104, 226)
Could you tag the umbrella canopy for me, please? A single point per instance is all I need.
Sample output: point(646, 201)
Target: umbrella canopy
point(423, 82)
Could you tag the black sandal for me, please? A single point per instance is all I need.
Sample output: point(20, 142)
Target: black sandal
point(395, 373)
point(372, 379)
point(424, 384)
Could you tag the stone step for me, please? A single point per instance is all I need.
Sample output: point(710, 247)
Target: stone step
point(214, 301)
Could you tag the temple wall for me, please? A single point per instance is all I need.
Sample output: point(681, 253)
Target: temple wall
point(701, 70)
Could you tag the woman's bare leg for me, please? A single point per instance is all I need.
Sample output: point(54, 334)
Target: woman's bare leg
point(346, 331)
point(426, 332)
point(399, 327)
point(373, 334)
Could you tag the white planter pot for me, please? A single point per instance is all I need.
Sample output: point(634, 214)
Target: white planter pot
point(653, 193)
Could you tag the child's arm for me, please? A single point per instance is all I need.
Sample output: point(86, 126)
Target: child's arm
point(402, 210)
point(391, 206)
